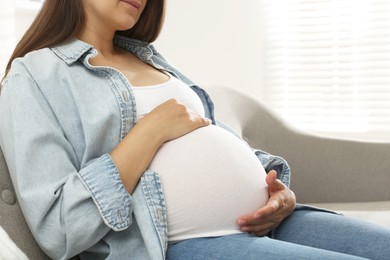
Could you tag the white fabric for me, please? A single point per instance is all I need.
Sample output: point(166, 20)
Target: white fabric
point(8, 249)
point(149, 97)
point(210, 177)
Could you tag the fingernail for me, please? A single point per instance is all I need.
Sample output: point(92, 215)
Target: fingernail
point(244, 229)
point(241, 222)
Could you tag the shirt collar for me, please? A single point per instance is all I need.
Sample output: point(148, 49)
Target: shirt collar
point(72, 51)
point(143, 50)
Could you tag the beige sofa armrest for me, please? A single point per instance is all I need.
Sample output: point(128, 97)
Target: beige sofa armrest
point(12, 219)
point(324, 170)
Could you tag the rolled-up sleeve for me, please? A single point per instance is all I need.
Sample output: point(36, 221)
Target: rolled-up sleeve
point(68, 208)
point(277, 163)
point(108, 192)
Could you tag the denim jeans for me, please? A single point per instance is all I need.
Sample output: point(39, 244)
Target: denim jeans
point(306, 234)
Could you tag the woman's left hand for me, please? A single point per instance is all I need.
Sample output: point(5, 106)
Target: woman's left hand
point(280, 205)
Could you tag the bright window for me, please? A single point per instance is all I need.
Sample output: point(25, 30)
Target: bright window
point(327, 65)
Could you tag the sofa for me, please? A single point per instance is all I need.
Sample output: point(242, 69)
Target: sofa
point(351, 177)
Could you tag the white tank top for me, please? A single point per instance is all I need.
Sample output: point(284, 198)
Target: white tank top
point(149, 97)
point(209, 176)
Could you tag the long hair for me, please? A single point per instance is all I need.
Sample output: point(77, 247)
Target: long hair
point(62, 20)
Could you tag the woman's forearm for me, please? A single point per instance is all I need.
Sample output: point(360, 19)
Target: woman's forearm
point(133, 155)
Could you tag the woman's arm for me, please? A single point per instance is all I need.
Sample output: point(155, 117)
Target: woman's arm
point(67, 208)
point(52, 191)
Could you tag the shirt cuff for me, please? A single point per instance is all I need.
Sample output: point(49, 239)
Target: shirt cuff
point(102, 179)
point(277, 163)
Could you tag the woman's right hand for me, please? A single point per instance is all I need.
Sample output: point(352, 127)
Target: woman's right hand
point(134, 153)
point(171, 120)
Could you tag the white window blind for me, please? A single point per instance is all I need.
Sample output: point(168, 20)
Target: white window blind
point(327, 64)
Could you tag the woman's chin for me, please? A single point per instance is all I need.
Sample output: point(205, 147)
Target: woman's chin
point(126, 24)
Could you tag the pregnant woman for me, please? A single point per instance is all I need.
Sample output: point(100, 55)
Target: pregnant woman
point(115, 154)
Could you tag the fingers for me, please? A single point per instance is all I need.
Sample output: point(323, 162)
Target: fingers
point(171, 120)
point(201, 121)
point(273, 183)
point(271, 177)
point(260, 215)
point(267, 218)
point(268, 210)
point(258, 226)
point(259, 230)
point(182, 112)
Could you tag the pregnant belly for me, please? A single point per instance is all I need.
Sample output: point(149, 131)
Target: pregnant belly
point(210, 177)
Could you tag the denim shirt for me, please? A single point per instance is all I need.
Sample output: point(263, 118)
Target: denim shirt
point(60, 118)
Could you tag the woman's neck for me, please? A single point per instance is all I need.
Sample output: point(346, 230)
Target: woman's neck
point(102, 41)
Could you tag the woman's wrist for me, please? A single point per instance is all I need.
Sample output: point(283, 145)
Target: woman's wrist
point(133, 154)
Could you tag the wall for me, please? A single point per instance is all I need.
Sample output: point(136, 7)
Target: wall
point(213, 42)
point(25, 12)
point(15, 17)
point(7, 33)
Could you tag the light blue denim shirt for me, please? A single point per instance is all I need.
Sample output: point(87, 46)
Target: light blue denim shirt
point(60, 118)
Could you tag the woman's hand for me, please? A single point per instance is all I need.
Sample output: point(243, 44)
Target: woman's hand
point(134, 153)
point(280, 205)
point(171, 120)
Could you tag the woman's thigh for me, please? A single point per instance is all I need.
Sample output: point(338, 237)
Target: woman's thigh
point(335, 233)
point(246, 247)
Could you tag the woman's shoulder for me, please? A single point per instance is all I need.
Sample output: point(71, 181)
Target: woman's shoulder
point(46, 59)
point(41, 68)
point(32, 61)
point(24, 70)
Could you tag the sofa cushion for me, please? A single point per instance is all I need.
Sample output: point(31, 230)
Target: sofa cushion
point(375, 212)
point(11, 217)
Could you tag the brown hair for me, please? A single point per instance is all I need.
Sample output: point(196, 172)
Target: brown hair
point(62, 20)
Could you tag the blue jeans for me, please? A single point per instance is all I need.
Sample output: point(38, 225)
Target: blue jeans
point(305, 234)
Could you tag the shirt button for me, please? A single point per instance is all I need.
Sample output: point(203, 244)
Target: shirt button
point(8, 197)
point(160, 215)
point(125, 96)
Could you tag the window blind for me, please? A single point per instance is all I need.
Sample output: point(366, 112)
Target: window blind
point(327, 64)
